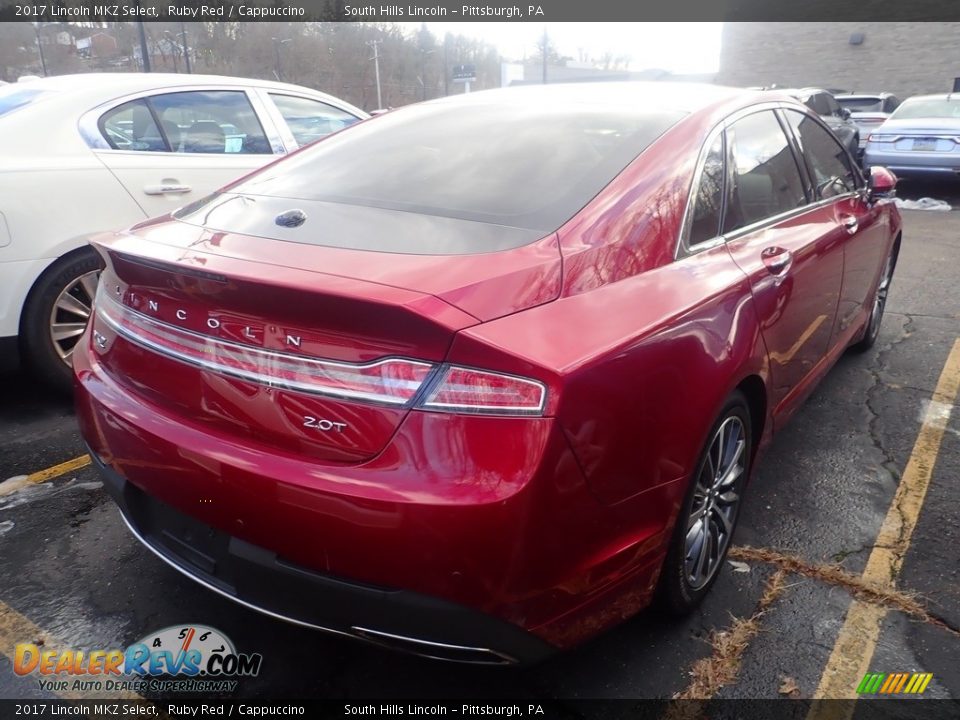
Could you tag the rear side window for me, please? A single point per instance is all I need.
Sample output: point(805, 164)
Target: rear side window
point(829, 164)
point(833, 108)
point(942, 107)
point(862, 104)
point(818, 103)
point(213, 122)
point(220, 121)
point(131, 127)
point(890, 104)
point(308, 119)
point(708, 203)
point(514, 164)
point(766, 178)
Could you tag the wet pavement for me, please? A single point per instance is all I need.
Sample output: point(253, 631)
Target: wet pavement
point(69, 565)
point(948, 192)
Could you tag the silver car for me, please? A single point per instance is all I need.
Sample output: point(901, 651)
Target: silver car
point(921, 138)
point(868, 111)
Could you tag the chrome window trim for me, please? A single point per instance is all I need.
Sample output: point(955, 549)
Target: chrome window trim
point(89, 123)
point(682, 248)
point(857, 172)
point(683, 245)
point(775, 219)
point(284, 136)
point(809, 187)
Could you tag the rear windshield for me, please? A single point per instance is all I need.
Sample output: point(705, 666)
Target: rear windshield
point(511, 164)
point(928, 108)
point(861, 104)
point(13, 97)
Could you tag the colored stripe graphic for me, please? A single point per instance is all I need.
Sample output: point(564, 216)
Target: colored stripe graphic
point(894, 683)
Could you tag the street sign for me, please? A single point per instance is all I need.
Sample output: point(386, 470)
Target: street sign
point(464, 73)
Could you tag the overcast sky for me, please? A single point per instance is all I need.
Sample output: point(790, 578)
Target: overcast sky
point(683, 47)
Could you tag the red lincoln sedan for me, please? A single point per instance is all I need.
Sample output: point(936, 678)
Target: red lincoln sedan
point(481, 377)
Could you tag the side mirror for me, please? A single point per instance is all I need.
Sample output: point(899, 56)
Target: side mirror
point(845, 113)
point(882, 184)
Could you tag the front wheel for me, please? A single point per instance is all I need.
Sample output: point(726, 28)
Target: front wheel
point(56, 315)
point(709, 514)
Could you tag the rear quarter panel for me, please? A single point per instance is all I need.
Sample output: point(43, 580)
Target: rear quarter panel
point(640, 351)
point(640, 367)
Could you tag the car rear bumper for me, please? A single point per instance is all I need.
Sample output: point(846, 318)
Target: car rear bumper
point(256, 578)
point(929, 164)
point(446, 544)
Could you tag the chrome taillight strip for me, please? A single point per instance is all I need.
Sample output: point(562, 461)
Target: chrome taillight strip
point(227, 358)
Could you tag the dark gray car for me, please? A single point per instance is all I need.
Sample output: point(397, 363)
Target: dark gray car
point(837, 118)
point(868, 111)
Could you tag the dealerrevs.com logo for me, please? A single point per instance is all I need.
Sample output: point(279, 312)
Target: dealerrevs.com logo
point(180, 658)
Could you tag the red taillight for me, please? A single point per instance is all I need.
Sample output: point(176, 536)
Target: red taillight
point(476, 391)
point(391, 381)
point(394, 381)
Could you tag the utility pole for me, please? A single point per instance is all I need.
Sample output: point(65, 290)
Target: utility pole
point(43, 60)
point(186, 50)
point(423, 71)
point(446, 64)
point(172, 44)
point(276, 49)
point(375, 44)
point(545, 53)
point(144, 51)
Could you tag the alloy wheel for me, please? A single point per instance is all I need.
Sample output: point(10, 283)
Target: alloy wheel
point(716, 500)
point(70, 313)
point(880, 301)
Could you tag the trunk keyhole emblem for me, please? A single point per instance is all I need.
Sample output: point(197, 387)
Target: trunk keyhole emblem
point(291, 218)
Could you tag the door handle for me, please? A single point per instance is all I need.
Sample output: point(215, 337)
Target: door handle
point(776, 259)
point(850, 223)
point(166, 189)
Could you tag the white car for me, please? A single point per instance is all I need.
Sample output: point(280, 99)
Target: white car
point(80, 154)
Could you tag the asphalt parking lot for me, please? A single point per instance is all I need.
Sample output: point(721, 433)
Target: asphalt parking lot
point(865, 479)
point(912, 189)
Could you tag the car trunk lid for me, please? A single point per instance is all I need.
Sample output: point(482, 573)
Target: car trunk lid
point(311, 350)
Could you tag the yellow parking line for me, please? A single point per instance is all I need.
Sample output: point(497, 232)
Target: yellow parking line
point(855, 645)
point(15, 628)
point(16, 483)
point(58, 470)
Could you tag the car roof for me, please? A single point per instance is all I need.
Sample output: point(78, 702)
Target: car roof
point(803, 92)
point(858, 96)
point(681, 96)
point(136, 81)
point(952, 97)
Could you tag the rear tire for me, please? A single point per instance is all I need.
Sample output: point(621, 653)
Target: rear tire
point(709, 514)
point(55, 314)
point(872, 330)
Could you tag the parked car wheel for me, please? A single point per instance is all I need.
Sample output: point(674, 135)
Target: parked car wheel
point(56, 314)
point(879, 305)
point(708, 518)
